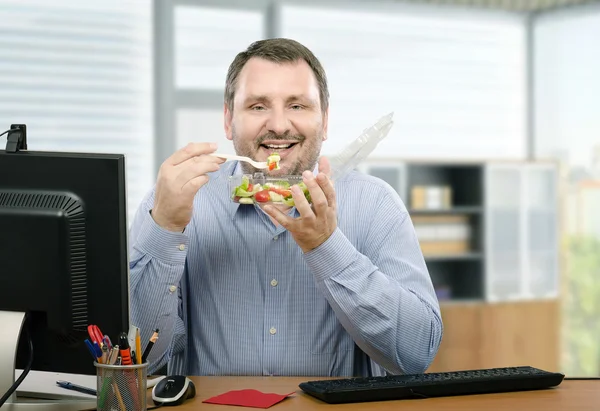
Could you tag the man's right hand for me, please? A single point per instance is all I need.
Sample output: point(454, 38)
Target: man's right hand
point(179, 179)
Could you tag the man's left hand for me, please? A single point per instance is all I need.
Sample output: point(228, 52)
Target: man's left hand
point(315, 223)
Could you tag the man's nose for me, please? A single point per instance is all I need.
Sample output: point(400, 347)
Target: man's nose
point(278, 122)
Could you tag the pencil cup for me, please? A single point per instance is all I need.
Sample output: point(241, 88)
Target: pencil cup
point(121, 387)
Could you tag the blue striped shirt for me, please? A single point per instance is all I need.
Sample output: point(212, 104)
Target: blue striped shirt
point(235, 295)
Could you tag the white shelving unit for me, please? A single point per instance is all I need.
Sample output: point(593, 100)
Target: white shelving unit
point(513, 211)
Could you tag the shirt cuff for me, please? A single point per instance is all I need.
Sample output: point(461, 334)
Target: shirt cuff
point(332, 257)
point(166, 246)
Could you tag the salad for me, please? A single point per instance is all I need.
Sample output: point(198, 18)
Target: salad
point(270, 192)
point(273, 161)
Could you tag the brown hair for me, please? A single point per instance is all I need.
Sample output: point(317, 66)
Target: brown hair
point(279, 50)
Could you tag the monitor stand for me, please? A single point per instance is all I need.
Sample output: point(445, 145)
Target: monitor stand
point(12, 324)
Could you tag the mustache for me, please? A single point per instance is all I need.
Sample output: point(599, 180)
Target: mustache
point(280, 137)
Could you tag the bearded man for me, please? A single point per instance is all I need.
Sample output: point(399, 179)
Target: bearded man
point(334, 287)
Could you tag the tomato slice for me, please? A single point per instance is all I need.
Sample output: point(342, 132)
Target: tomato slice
point(262, 196)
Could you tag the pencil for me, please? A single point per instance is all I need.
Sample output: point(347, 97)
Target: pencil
point(138, 357)
point(138, 346)
point(149, 346)
point(119, 398)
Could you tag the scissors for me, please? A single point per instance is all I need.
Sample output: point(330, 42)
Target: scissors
point(96, 335)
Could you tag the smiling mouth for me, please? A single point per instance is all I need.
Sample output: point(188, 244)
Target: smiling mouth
point(278, 146)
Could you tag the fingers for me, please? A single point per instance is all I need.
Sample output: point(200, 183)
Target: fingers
point(319, 201)
point(192, 186)
point(326, 185)
point(325, 166)
point(203, 158)
point(189, 151)
point(302, 205)
point(283, 219)
point(196, 167)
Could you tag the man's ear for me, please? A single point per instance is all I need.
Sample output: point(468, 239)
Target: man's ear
point(325, 123)
point(228, 122)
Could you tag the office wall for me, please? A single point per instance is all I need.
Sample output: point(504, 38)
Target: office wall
point(567, 127)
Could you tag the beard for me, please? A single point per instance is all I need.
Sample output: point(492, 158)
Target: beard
point(306, 151)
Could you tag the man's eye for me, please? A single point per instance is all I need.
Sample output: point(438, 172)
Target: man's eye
point(258, 108)
point(297, 107)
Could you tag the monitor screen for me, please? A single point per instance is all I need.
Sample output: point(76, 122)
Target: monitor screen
point(63, 252)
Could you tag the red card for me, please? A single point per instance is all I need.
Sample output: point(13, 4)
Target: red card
point(248, 398)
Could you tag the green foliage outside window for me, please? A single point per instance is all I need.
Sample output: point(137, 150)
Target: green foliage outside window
point(581, 307)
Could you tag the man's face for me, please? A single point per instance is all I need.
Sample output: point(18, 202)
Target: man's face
point(277, 109)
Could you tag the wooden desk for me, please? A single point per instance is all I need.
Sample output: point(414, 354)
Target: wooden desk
point(570, 395)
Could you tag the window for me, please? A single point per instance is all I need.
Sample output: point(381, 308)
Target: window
point(207, 39)
point(198, 44)
point(457, 84)
point(194, 125)
point(567, 127)
point(79, 74)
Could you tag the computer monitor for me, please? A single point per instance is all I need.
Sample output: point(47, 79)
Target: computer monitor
point(63, 257)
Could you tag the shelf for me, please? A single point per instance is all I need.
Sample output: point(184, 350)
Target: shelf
point(453, 210)
point(461, 301)
point(500, 217)
point(454, 257)
point(457, 279)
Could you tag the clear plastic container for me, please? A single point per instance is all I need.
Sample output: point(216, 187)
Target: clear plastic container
point(262, 189)
point(359, 149)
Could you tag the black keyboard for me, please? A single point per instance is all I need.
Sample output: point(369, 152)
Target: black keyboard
point(440, 384)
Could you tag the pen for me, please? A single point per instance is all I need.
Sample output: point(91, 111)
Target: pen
point(149, 346)
point(104, 354)
point(114, 354)
point(90, 348)
point(70, 386)
point(98, 351)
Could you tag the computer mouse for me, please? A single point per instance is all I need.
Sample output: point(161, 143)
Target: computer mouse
point(173, 390)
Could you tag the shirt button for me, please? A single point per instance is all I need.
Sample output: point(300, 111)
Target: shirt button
point(275, 238)
point(274, 283)
point(181, 247)
point(172, 288)
point(272, 330)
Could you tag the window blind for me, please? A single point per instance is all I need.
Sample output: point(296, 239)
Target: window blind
point(206, 41)
point(456, 80)
point(79, 74)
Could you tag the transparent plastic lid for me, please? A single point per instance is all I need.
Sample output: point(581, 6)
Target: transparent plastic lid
point(261, 189)
point(358, 150)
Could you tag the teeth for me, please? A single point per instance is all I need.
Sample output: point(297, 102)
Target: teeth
point(278, 146)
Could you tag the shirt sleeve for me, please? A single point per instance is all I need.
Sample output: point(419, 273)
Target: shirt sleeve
point(384, 296)
point(157, 264)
